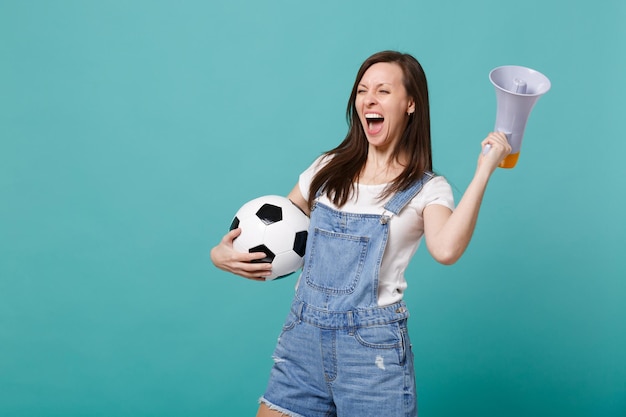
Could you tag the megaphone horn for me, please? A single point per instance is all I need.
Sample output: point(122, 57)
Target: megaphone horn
point(517, 91)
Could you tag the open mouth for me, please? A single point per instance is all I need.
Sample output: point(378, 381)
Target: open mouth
point(374, 122)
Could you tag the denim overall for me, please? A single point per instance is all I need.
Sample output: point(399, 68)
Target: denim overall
point(339, 353)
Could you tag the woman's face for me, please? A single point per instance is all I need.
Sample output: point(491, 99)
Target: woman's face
point(382, 104)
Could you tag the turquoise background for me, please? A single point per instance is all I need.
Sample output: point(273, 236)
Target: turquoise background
point(131, 131)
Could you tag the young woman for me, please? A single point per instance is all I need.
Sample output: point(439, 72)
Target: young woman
point(344, 349)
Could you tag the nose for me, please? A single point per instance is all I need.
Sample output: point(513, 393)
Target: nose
point(370, 98)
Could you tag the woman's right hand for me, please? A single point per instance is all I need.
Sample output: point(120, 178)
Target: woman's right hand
point(225, 257)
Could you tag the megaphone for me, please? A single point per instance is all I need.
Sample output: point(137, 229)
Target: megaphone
point(517, 91)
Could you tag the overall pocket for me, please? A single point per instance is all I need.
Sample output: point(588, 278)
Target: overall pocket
point(336, 261)
point(391, 336)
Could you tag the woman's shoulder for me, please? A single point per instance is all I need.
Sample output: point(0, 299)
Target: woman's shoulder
point(437, 190)
point(306, 177)
point(435, 179)
point(437, 184)
point(317, 164)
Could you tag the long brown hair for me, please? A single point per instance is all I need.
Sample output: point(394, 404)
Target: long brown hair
point(346, 161)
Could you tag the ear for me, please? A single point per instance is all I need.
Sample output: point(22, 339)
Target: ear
point(411, 107)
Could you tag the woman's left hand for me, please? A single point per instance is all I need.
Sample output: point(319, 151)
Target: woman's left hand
point(499, 148)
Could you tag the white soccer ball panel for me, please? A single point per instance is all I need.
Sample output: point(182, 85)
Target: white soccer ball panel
point(252, 234)
point(279, 237)
point(285, 263)
point(296, 217)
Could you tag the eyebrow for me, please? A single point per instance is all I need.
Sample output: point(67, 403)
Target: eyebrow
point(378, 85)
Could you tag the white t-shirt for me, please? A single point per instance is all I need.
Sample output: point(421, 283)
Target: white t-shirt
point(405, 229)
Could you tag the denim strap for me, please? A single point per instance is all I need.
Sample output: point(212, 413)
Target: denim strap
point(402, 198)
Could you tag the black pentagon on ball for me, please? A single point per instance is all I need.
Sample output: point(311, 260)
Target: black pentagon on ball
point(299, 243)
point(269, 213)
point(234, 224)
point(269, 255)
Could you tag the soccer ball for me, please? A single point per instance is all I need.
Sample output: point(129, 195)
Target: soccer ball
point(275, 226)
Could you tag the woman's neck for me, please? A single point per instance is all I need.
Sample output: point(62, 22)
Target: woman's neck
point(380, 168)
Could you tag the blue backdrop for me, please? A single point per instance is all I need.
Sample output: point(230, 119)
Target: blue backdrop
point(131, 131)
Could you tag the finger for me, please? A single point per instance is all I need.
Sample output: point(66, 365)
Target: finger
point(254, 261)
point(498, 137)
point(495, 139)
point(231, 235)
point(255, 270)
point(495, 135)
point(254, 256)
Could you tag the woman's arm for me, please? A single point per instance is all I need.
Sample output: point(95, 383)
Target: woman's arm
point(296, 197)
point(447, 232)
point(226, 258)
